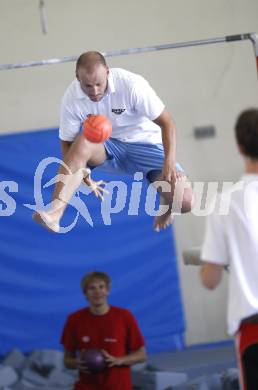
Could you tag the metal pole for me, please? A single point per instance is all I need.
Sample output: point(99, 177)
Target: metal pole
point(254, 40)
point(122, 52)
point(43, 16)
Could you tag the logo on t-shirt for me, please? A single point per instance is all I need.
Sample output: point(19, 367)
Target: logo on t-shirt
point(118, 111)
point(109, 340)
point(85, 339)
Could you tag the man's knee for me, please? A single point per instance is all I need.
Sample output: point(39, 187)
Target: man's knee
point(84, 150)
point(179, 194)
point(154, 175)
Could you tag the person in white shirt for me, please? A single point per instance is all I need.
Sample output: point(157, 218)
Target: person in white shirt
point(143, 138)
point(231, 240)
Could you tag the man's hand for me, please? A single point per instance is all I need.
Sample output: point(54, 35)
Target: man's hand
point(170, 173)
point(96, 186)
point(112, 360)
point(82, 367)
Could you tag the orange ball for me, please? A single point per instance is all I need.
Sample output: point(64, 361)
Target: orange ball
point(97, 128)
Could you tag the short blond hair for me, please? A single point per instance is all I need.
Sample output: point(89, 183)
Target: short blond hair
point(90, 60)
point(90, 276)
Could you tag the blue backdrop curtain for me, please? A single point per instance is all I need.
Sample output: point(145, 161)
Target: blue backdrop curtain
point(40, 272)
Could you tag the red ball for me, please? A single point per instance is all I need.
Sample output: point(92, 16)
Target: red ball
point(93, 359)
point(97, 128)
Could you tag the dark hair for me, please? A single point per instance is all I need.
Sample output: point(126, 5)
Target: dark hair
point(246, 131)
point(90, 59)
point(89, 277)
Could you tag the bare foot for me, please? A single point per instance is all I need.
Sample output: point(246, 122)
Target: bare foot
point(163, 221)
point(46, 220)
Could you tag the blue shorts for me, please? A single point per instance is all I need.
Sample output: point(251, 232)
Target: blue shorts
point(132, 157)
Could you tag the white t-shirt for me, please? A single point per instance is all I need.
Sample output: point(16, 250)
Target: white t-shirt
point(232, 239)
point(130, 103)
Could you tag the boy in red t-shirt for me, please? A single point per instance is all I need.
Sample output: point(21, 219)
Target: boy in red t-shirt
point(113, 330)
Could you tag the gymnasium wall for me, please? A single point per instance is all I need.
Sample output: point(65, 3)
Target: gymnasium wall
point(201, 86)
